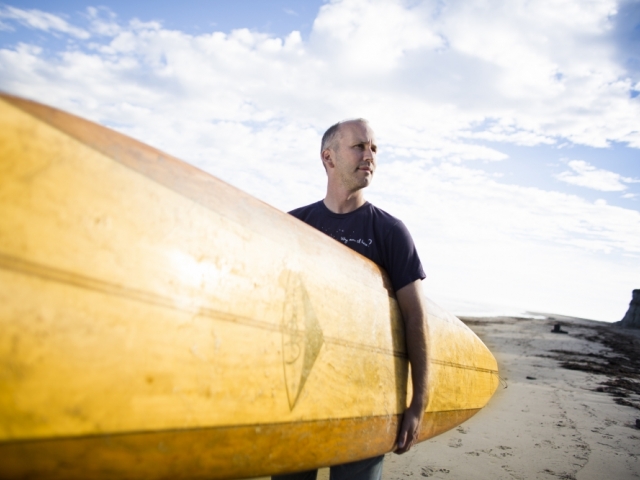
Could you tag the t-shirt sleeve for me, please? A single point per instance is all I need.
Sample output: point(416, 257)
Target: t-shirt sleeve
point(404, 265)
point(296, 213)
point(303, 213)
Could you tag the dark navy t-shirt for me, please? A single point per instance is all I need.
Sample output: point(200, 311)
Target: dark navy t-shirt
point(371, 232)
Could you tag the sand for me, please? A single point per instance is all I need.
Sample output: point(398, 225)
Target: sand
point(567, 408)
point(545, 421)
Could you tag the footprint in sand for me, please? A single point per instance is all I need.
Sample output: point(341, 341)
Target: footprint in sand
point(428, 471)
point(512, 472)
point(504, 454)
point(455, 443)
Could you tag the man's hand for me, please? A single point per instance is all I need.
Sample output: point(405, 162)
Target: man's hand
point(409, 430)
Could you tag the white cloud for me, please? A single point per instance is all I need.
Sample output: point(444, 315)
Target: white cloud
point(436, 79)
point(40, 20)
point(103, 21)
point(586, 175)
point(518, 72)
point(370, 37)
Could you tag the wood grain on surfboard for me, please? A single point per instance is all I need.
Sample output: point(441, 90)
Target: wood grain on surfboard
point(157, 322)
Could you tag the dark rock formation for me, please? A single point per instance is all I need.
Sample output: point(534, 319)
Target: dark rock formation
point(557, 328)
point(632, 318)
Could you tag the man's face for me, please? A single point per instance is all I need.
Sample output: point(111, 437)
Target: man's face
point(353, 155)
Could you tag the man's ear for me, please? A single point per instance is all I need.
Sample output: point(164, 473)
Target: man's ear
point(327, 158)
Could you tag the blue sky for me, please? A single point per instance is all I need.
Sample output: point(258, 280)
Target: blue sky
point(509, 132)
point(275, 17)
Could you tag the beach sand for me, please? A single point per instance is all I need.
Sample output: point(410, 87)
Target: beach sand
point(566, 408)
point(545, 421)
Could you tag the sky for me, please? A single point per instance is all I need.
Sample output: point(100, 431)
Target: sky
point(508, 131)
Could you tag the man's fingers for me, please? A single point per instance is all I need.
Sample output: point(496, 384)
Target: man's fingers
point(406, 436)
point(402, 438)
point(408, 433)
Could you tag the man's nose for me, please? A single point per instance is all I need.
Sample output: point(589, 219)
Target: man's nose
point(369, 154)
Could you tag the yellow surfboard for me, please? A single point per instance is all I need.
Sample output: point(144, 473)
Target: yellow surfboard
point(156, 322)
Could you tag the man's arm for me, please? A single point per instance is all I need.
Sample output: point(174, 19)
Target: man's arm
point(414, 315)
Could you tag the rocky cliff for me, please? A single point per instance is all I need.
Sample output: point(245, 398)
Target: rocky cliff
point(632, 317)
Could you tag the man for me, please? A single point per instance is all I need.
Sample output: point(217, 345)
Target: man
point(348, 154)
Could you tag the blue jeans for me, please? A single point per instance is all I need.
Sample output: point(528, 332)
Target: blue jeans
point(369, 469)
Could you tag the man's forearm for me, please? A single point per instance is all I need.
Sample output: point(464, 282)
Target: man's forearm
point(416, 335)
point(412, 305)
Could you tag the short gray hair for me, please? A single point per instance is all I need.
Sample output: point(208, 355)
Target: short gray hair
point(334, 130)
